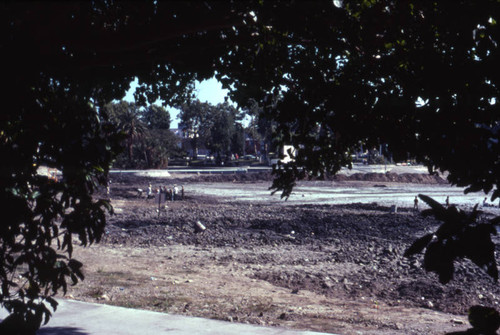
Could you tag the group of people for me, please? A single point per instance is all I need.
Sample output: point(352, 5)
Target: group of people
point(165, 193)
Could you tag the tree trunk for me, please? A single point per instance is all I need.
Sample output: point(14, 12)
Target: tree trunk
point(194, 144)
point(146, 158)
point(130, 153)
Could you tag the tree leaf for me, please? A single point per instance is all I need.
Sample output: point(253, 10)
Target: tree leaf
point(52, 303)
point(418, 245)
point(438, 210)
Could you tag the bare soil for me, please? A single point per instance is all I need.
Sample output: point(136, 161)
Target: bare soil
point(337, 269)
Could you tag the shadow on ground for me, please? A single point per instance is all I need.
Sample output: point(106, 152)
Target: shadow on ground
point(60, 331)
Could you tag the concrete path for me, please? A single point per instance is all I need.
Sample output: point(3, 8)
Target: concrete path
point(80, 318)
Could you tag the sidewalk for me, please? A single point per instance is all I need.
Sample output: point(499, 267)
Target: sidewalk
point(80, 318)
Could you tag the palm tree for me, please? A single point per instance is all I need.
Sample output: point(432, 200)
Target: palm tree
point(127, 117)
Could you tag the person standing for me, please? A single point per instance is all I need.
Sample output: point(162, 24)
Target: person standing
point(176, 192)
point(415, 204)
point(150, 191)
point(447, 201)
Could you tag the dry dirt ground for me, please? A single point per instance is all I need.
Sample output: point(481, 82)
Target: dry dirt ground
point(337, 269)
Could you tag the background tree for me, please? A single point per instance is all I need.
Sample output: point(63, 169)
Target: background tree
point(159, 143)
point(196, 122)
point(260, 127)
point(127, 118)
point(223, 133)
point(149, 140)
point(214, 127)
point(238, 139)
point(156, 117)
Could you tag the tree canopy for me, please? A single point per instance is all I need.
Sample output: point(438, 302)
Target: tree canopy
point(418, 76)
point(196, 121)
point(149, 142)
point(400, 73)
point(226, 128)
point(332, 74)
point(216, 127)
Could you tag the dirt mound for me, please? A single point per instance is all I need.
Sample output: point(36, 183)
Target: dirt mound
point(131, 178)
point(350, 251)
point(232, 177)
point(416, 178)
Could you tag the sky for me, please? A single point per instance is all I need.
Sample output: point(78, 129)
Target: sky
point(210, 91)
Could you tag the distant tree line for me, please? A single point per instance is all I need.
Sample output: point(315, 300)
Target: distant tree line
point(218, 128)
point(150, 143)
point(148, 140)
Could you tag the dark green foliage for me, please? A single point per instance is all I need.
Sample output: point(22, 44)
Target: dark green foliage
point(127, 118)
point(156, 148)
point(49, 129)
point(260, 128)
point(460, 236)
point(329, 78)
point(238, 139)
point(334, 78)
point(217, 127)
point(196, 122)
point(419, 245)
point(286, 178)
point(148, 138)
point(156, 118)
point(224, 131)
point(484, 321)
